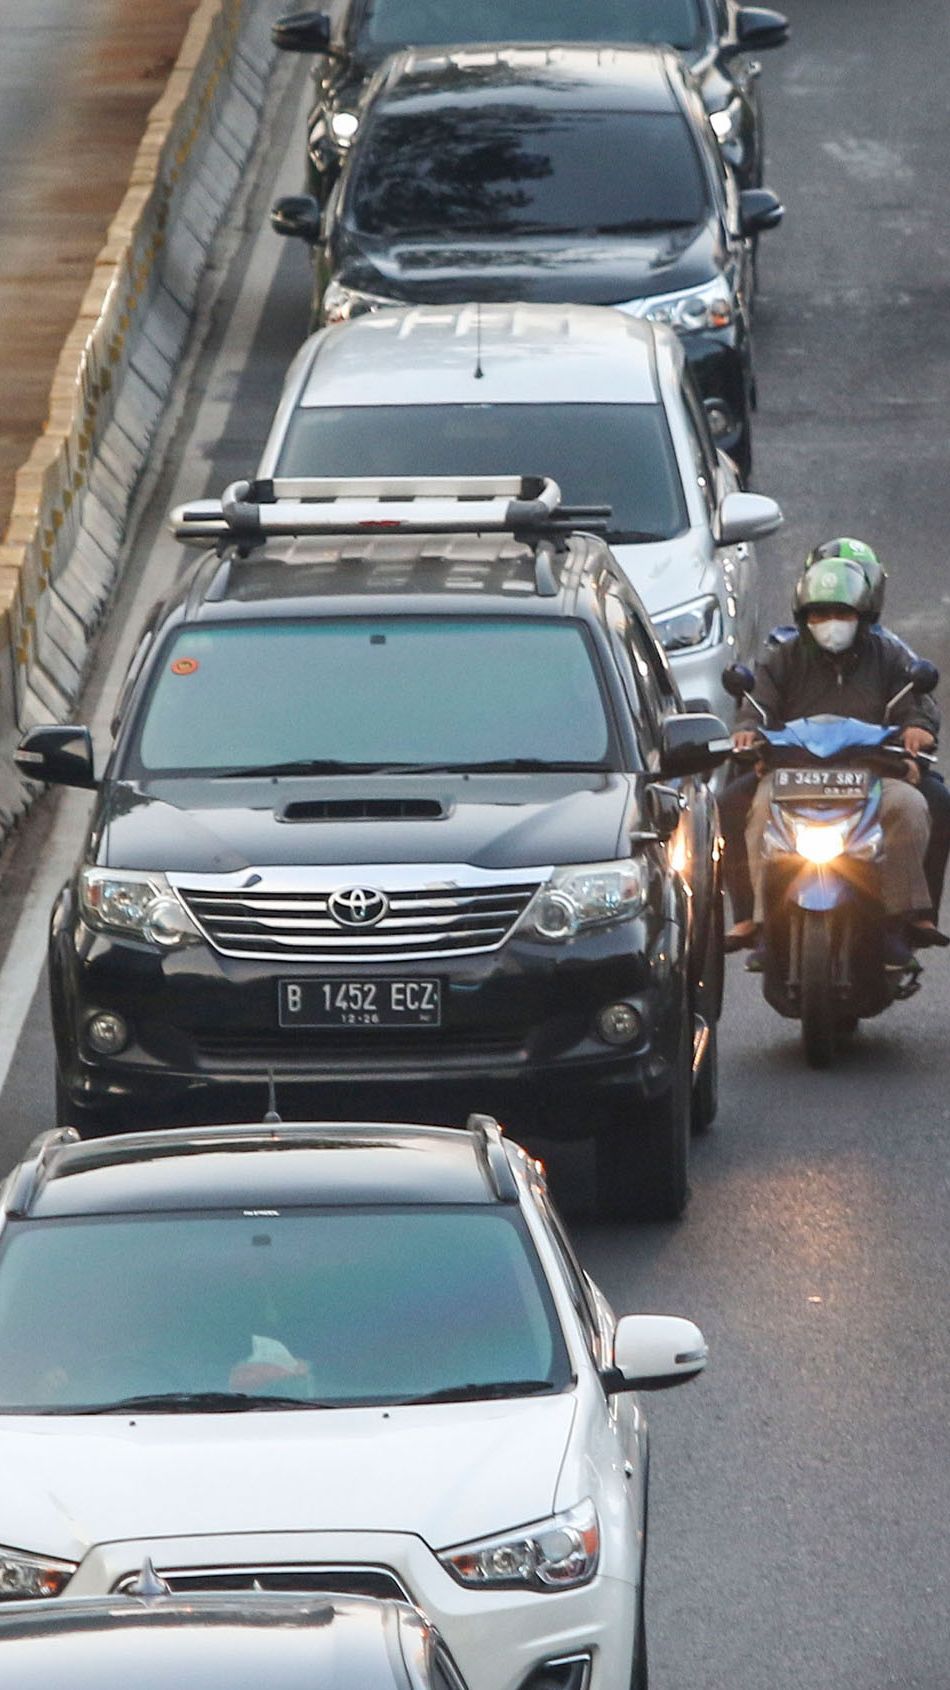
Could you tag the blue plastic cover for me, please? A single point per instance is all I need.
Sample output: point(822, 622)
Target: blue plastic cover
point(828, 736)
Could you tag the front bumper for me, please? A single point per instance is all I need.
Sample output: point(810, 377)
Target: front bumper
point(517, 1038)
point(498, 1638)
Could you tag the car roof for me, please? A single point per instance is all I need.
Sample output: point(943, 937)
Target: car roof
point(565, 77)
point(238, 1643)
point(262, 1166)
point(526, 354)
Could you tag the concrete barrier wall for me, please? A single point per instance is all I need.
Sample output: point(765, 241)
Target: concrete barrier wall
point(61, 554)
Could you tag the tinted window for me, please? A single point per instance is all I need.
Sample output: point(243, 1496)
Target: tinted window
point(394, 690)
point(617, 455)
point(314, 1305)
point(393, 23)
point(500, 168)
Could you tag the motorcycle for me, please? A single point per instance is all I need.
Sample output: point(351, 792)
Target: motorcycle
point(823, 935)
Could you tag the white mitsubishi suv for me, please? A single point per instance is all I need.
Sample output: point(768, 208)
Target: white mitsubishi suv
point(356, 1358)
point(599, 401)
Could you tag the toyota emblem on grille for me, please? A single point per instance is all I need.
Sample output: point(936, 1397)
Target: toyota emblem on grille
point(358, 906)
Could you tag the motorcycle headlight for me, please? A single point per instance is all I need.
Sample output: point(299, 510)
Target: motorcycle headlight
point(556, 1554)
point(340, 303)
point(727, 123)
point(820, 842)
point(690, 627)
point(587, 896)
point(709, 306)
point(140, 906)
point(25, 1577)
point(343, 127)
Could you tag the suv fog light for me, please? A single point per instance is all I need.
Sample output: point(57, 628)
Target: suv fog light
point(619, 1024)
point(720, 419)
point(107, 1034)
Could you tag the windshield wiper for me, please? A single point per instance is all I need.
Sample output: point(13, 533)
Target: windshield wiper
point(197, 1402)
point(296, 766)
point(631, 536)
point(497, 766)
point(471, 1393)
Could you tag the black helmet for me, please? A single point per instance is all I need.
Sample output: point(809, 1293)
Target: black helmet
point(855, 551)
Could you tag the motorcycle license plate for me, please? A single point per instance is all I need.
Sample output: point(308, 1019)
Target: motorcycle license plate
point(360, 1003)
point(794, 785)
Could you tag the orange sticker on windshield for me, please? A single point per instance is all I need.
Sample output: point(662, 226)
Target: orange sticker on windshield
point(184, 665)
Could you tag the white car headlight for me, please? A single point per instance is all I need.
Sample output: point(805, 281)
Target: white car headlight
point(709, 306)
point(556, 1554)
point(586, 896)
point(690, 627)
point(340, 303)
point(727, 123)
point(24, 1577)
point(141, 906)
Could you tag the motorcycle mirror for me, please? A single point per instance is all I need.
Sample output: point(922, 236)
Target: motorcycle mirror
point(924, 676)
point(738, 680)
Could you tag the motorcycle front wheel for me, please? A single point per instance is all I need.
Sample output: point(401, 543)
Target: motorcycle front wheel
point(817, 1003)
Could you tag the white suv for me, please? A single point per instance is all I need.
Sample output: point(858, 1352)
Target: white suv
point(355, 1358)
point(601, 402)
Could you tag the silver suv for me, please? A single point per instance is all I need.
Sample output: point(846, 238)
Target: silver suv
point(602, 403)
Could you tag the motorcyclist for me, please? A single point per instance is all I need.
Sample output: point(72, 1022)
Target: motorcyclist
point(836, 663)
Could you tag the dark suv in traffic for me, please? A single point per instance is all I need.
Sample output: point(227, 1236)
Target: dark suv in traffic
point(402, 809)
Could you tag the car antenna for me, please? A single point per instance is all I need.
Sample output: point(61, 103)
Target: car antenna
point(271, 1117)
point(479, 372)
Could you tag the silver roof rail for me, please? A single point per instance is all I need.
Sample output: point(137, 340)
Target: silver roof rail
point(252, 511)
point(31, 1173)
point(490, 1152)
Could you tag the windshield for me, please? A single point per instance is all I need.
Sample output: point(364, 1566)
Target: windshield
point(498, 168)
point(366, 693)
point(339, 1307)
point(395, 23)
point(616, 455)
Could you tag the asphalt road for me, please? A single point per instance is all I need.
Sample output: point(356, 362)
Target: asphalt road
point(801, 1491)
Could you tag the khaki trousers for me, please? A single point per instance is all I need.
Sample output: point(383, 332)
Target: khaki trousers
point(905, 821)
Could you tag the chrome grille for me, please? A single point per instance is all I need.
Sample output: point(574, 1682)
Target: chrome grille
point(349, 1581)
point(290, 924)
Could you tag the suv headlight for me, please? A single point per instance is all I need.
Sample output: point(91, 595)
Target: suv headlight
point(556, 1554)
point(727, 123)
point(340, 303)
point(589, 895)
point(138, 905)
point(24, 1577)
point(709, 306)
point(690, 627)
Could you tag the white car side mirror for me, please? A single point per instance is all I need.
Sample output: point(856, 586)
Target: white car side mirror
point(747, 516)
point(655, 1351)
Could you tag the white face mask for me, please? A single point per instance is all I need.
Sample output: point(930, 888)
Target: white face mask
point(835, 636)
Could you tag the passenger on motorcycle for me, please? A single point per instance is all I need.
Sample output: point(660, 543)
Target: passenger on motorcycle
point(835, 664)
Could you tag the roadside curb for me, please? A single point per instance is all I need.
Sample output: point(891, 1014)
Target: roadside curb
point(60, 557)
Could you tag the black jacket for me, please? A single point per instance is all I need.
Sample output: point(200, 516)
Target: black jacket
point(797, 678)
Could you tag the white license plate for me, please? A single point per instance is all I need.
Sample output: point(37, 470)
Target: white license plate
point(794, 785)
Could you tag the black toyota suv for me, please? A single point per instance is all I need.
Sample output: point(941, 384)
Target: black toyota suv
point(715, 37)
point(402, 809)
point(570, 175)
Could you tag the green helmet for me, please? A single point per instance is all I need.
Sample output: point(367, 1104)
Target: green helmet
point(855, 551)
point(832, 583)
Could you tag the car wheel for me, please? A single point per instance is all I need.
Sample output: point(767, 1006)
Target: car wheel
point(708, 1003)
point(642, 1159)
point(641, 1670)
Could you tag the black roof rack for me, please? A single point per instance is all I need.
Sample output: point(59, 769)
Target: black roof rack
point(250, 512)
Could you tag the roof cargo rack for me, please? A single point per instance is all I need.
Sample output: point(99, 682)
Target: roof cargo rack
point(249, 512)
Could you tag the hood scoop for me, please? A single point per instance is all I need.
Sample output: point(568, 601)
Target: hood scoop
point(364, 810)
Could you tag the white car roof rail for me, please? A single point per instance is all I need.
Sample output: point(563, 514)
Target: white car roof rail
point(258, 510)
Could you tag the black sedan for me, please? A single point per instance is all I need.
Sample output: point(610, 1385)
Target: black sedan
point(566, 174)
point(715, 37)
point(156, 1640)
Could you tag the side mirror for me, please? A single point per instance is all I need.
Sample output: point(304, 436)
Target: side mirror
point(60, 756)
point(738, 680)
point(653, 1352)
point(693, 744)
point(302, 32)
point(747, 516)
point(924, 676)
point(758, 28)
point(297, 215)
point(759, 210)
point(662, 809)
